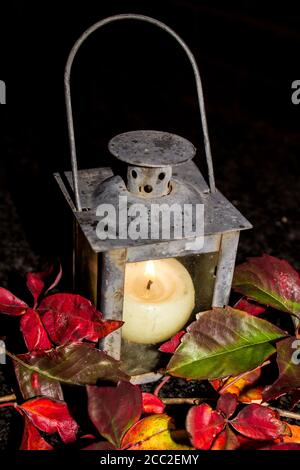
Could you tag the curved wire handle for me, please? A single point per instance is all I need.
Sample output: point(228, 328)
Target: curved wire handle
point(68, 67)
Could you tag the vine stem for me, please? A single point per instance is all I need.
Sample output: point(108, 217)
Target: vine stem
point(7, 398)
point(161, 385)
point(196, 401)
point(8, 403)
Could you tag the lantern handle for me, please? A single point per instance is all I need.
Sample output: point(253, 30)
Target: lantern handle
point(67, 74)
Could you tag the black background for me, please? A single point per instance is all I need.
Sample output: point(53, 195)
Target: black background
point(132, 76)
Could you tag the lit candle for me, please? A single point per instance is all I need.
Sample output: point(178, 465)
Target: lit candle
point(159, 297)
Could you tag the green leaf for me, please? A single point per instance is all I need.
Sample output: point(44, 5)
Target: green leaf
point(76, 364)
point(270, 281)
point(223, 342)
point(288, 360)
point(32, 384)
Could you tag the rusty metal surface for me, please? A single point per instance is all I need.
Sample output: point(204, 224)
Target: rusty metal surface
point(151, 148)
point(68, 68)
point(99, 187)
point(149, 182)
point(226, 263)
point(111, 301)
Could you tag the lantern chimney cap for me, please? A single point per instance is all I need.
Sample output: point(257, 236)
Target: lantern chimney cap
point(151, 148)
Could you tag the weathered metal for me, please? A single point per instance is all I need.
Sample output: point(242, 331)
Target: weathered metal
point(159, 171)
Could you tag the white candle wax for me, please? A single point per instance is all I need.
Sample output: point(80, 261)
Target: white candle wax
point(159, 297)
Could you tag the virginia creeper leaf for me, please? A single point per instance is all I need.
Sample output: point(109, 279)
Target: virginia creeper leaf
point(36, 282)
point(250, 307)
point(283, 446)
point(226, 440)
point(77, 364)
point(295, 434)
point(71, 317)
point(152, 404)
point(34, 333)
point(260, 423)
point(203, 425)
point(51, 416)
point(270, 281)
point(113, 410)
point(152, 433)
point(173, 343)
point(223, 342)
point(288, 360)
point(32, 384)
point(227, 404)
point(32, 439)
point(10, 304)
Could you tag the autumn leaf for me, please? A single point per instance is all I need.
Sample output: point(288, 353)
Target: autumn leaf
point(203, 425)
point(283, 446)
point(51, 416)
point(223, 342)
point(152, 404)
point(289, 369)
point(171, 345)
point(227, 404)
point(75, 364)
point(34, 333)
point(295, 434)
point(152, 433)
point(71, 317)
point(226, 440)
point(260, 423)
point(32, 384)
point(32, 439)
point(10, 304)
point(249, 306)
point(113, 410)
point(270, 281)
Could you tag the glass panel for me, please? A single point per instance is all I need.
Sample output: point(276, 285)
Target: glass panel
point(160, 298)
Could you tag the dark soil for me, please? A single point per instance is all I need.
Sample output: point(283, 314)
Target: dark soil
point(247, 56)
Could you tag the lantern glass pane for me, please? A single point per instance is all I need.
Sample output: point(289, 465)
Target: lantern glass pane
point(161, 297)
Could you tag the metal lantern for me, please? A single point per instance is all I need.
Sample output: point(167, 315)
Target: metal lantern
point(160, 170)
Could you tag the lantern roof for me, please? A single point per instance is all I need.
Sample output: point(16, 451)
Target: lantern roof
point(151, 148)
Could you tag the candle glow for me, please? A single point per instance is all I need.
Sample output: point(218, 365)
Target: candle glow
point(159, 298)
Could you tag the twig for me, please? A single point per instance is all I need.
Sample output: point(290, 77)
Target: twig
point(285, 414)
point(196, 401)
point(6, 398)
point(182, 401)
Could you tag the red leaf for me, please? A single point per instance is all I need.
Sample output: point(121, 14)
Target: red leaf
point(269, 281)
point(260, 423)
point(36, 282)
point(70, 318)
point(249, 306)
point(227, 404)
point(283, 446)
point(204, 424)
point(226, 440)
point(51, 416)
point(32, 440)
point(10, 304)
point(288, 357)
point(171, 345)
point(113, 410)
point(34, 333)
point(152, 404)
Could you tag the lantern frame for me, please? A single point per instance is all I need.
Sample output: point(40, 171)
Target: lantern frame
point(222, 225)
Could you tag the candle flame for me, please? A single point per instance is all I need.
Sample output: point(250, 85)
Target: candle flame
point(150, 269)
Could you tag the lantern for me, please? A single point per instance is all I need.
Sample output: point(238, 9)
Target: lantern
point(153, 282)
